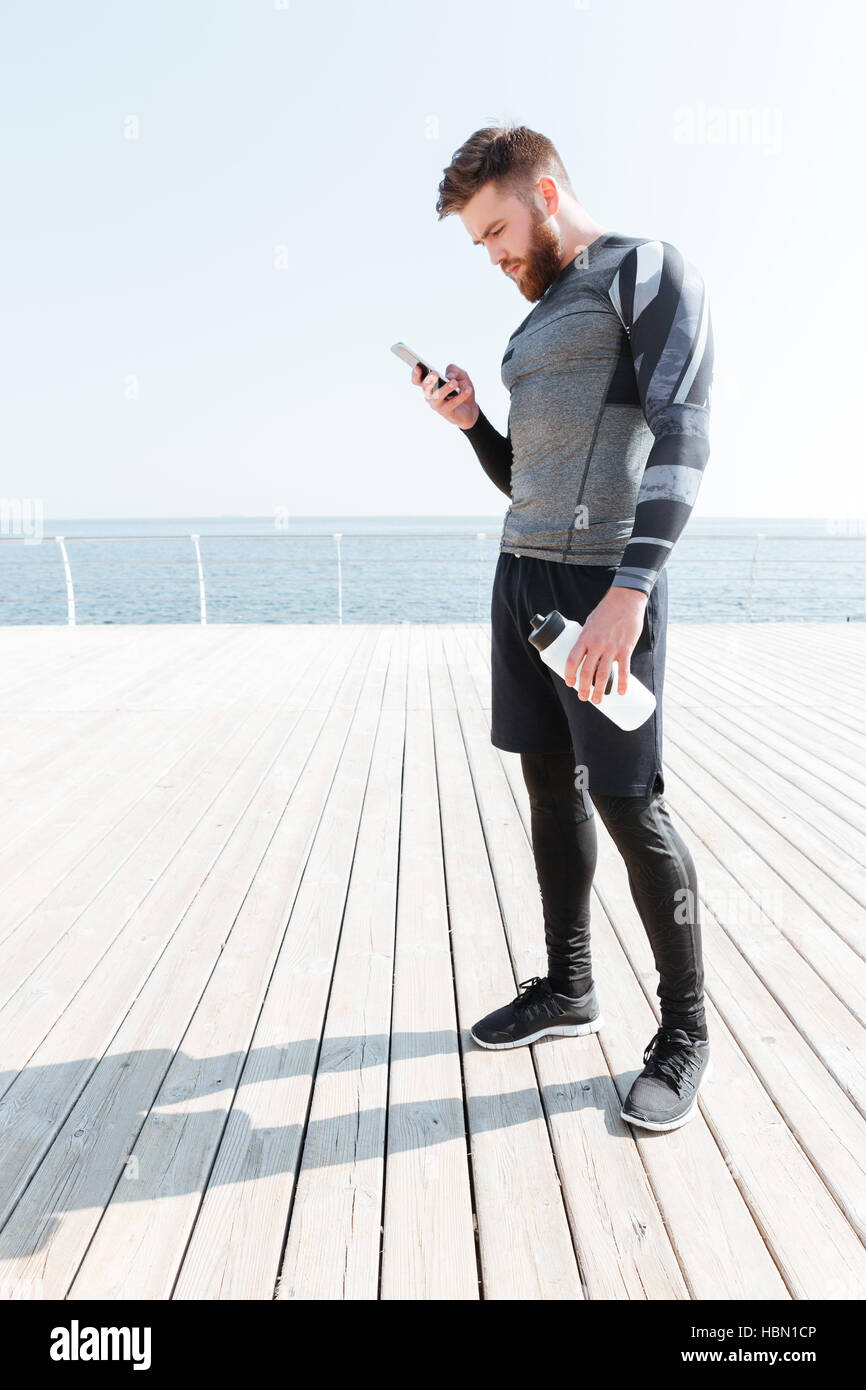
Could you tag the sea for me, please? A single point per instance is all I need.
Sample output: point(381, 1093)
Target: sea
point(394, 569)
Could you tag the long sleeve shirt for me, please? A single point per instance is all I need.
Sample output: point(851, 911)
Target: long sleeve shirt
point(610, 378)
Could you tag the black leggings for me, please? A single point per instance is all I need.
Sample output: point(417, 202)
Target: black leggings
point(661, 876)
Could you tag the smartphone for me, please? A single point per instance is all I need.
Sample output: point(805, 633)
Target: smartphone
point(413, 360)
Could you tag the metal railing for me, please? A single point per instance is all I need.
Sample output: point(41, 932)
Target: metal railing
point(846, 602)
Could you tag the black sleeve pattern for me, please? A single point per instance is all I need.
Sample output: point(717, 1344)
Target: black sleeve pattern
point(663, 305)
point(494, 451)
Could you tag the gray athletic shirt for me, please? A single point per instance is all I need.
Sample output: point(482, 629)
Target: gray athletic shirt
point(610, 378)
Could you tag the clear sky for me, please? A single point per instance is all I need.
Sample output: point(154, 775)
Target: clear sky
point(159, 358)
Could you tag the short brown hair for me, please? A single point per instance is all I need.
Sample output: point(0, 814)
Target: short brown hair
point(511, 156)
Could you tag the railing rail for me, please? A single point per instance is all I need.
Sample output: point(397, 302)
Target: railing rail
point(201, 597)
point(761, 541)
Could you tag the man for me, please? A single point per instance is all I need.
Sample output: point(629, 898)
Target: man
point(610, 378)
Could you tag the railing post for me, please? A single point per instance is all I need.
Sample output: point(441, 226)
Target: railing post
point(202, 604)
point(758, 538)
point(480, 535)
point(70, 596)
point(338, 536)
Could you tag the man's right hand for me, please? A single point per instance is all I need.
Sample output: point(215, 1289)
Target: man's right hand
point(461, 410)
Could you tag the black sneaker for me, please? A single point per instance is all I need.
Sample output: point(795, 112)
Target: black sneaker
point(535, 1012)
point(665, 1095)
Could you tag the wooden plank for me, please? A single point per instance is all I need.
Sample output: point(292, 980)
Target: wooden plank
point(786, 733)
point(619, 1233)
point(811, 1240)
point(49, 847)
point(95, 676)
point(54, 656)
point(824, 1122)
point(720, 1250)
point(791, 689)
point(83, 1116)
point(189, 902)
point(139, 1244)
point(428, 1242)
point(334, 1237)
point(779, 774)
point(168, 1013)
point(836, 647)
point(806, 830)
point(774, 876)
point(59, 769)
point(525, 1243)
point(34, 739)
point(66, 931)
point(52, 758)
point(819, 1014)
point(815, 1256)
point(818, 1111)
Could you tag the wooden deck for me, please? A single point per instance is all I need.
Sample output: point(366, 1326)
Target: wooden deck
point(259, 881)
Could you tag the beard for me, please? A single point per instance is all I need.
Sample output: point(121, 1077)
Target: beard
point(541, 264)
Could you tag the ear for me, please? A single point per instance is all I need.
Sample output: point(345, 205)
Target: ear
point(550, 193)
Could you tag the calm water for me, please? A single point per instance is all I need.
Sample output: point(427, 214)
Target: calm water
point(441, 572)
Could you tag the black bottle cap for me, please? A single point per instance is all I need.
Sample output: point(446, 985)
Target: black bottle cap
point(546, 630)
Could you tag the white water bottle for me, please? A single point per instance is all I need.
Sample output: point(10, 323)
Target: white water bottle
point(554, 638)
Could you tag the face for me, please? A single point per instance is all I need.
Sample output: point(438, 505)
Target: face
point(523, 241)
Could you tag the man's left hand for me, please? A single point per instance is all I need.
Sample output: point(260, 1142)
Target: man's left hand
point(609, 634)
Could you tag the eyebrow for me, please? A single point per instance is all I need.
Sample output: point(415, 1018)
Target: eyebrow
point(487, 230)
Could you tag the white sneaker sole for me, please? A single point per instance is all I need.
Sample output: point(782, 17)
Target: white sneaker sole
point(682, 1120)
point(565, 1030)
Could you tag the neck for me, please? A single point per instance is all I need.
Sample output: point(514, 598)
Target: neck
point(578, 230)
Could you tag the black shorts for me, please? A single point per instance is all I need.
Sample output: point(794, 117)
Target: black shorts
point(532, 708)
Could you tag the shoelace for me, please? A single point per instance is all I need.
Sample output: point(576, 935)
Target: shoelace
point(536, 991)
point(669, 1059)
